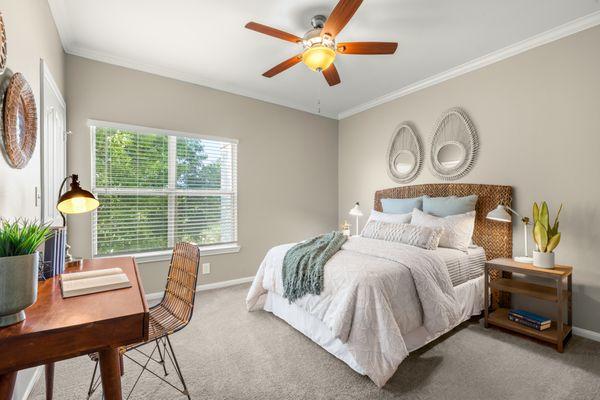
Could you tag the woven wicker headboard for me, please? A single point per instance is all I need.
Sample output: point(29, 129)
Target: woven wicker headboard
point(495, 237)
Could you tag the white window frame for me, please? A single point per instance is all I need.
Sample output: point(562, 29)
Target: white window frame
point(171, 191)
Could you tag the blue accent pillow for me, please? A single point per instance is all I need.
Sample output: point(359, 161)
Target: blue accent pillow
point(401, 206)
point(452, 205)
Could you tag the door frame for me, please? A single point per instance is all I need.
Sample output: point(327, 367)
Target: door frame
point(46, 76)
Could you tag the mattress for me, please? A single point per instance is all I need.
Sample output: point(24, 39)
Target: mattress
point(462, 266)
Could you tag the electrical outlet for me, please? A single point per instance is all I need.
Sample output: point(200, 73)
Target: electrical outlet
point(206, 268)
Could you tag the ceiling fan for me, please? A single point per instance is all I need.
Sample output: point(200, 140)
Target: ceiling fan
point(319, 45)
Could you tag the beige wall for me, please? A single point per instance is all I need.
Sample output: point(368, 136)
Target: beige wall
point(287, 161)
point(538, 118)
point(31, 36)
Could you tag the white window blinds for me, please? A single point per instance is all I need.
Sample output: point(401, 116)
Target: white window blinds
point(156, 189)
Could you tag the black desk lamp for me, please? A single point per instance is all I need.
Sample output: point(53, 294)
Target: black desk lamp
point(74, 201)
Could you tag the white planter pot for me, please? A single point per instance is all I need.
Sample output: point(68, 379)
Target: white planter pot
point(543, 260)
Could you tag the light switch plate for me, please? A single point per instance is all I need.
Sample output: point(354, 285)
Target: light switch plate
point(206, 268)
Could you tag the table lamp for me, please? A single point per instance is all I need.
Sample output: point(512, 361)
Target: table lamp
point(501, 213)
point(355, 212)
point(74, 201)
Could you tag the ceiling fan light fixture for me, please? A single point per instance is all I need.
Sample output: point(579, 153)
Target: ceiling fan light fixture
point(318, 57)
point(319, 45)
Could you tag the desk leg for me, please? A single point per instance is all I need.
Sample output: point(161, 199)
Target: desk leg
point(111, 373)
point(49, 373)
point(7, 384)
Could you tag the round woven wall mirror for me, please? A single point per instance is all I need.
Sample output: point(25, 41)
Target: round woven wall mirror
point(454, 145)
point(19, 119)
point(2, 45)
point(4, 82)
point(404, 156)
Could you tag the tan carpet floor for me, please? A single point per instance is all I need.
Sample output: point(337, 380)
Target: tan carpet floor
point(228, 353)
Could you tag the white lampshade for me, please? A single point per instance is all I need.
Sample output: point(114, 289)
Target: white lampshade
point(355, 212)
point(499, 214)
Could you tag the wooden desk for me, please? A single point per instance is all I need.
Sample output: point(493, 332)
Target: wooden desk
point(56, 329)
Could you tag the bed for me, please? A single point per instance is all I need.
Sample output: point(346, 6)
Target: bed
point(381, 299)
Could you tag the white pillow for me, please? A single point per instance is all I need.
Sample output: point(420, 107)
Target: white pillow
point(414, 235)
point(458, 229)
point(389, 218)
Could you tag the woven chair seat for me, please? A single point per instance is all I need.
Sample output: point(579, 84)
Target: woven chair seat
point(163, 322)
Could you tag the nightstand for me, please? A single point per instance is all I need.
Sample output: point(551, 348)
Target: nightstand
point(556, 293)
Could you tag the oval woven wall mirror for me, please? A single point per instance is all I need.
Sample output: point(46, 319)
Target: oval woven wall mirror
point(454, 145)
point(404, 155)
point(19, 119)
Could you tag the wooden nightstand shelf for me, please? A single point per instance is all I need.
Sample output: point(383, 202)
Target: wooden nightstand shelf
point(558, 294)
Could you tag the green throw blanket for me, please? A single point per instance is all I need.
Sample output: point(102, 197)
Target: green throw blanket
point(303, 265)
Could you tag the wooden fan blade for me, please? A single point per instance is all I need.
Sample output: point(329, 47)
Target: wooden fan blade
point(267, 30)
point(331, 75)
point(341, 14)
point(367, 48)
point(290, 62)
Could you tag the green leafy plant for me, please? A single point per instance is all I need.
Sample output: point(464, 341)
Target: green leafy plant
point(545, 236)
point(21, 237)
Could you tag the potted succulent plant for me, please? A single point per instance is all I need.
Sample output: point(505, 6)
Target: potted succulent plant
point(545, 236)
point(19, 263)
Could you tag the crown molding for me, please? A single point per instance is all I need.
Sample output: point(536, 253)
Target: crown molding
point(187, 77)
point(60, 15)
point(541, 39)
point(62, 22)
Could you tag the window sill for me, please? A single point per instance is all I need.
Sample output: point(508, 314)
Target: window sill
point(165, 255)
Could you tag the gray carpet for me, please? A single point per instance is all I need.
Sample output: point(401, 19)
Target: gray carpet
point(228, 353)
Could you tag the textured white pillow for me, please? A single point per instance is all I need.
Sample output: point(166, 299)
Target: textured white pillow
point(414, 235)
point(458, 229)
point(387, 217)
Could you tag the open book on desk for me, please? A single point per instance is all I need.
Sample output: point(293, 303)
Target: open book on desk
point(100, 280)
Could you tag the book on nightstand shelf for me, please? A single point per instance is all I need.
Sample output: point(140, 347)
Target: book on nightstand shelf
point(529, 319)
point(101, 280)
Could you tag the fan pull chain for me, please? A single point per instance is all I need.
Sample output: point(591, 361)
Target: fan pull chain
point(319, 99)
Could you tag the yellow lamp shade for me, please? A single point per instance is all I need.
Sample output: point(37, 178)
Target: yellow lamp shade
point(77, 200)
point(78, 205)
point(318, 57)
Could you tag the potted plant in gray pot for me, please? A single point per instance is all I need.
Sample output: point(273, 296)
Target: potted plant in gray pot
point(19, 264)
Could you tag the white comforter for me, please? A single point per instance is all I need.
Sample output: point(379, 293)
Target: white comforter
point(374, 292)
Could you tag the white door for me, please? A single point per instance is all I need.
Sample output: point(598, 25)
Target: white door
point(54, 149)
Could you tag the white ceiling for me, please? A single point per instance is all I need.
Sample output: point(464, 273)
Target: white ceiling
point(205, 41)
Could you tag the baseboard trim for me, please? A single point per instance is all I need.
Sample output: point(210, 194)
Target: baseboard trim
point(207, 286)
point(36, 376)
point(586, 333)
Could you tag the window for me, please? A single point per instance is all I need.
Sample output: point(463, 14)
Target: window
point(158, 188)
